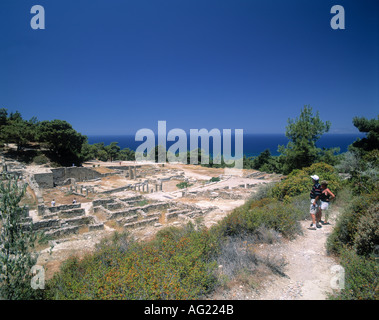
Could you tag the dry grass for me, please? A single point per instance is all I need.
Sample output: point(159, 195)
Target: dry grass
point(241, 263)
point(63, 197)
point(114, 225)
point(169, 186)
point(29, 199)
point(103, 170)
point(162, 218)
point(112, 182)
point(83, 229)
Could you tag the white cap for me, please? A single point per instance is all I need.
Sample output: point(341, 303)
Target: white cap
point(315, 177)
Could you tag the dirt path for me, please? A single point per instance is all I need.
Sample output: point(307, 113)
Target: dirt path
point(307, 269)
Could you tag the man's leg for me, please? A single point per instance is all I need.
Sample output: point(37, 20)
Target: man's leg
point(318, 215)
point(313, 213)
point(313, 216)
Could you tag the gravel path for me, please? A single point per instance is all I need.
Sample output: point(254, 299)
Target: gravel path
point(307, 270)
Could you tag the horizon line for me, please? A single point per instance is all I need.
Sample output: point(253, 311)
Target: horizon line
point(245, 133)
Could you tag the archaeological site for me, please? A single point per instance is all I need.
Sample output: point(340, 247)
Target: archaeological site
point(76, 207)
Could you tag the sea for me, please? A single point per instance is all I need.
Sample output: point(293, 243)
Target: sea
point(253, 144)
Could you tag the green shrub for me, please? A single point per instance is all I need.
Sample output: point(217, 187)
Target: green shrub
point(263, 191)
point(142, 203)
point(270, 213)
point(361, 277)
point(40, 159)
point(183, 185)
point(277, 216)
point(176, 265)
point(347, 228)
point(301, 204)
point(299, 181)
point(367, 236)
point(17, 245)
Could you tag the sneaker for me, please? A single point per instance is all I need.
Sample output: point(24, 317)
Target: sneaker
point(312, 227)
point(318, 225)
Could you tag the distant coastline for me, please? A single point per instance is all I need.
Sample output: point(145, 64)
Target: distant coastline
point(254, 144)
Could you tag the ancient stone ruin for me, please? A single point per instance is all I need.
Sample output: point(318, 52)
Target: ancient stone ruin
point(99, 198)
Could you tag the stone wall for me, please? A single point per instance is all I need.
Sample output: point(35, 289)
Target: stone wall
point(77, 173)
point(44, 180)
point(59, 176)
point(64, 221)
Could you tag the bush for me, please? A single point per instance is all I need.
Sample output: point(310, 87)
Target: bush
point(263, 191)
point(40, 159)
point(367, 236)
point(17, 245)
point(178, 264)
point(236, 257)
point(183, 185)
point(363, 170)
point(299, 181)
point(361, 277)
point(270, 213)
point(347, 225)
point(301, 204)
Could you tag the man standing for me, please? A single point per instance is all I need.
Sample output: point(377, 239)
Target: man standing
point(315, 203)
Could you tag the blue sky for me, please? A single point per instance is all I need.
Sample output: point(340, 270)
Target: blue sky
point(114, 67)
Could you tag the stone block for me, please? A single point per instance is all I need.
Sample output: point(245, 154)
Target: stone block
point(95, 227)
point(62, 231)
point(71, 213)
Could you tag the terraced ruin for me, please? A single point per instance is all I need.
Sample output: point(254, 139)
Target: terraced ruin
point(95, 200)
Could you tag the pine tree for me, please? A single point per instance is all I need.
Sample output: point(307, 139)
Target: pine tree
point(16, 243)
point(303, 133)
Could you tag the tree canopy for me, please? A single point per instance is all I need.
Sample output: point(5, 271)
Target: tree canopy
point(371, 127)
point(63, 141)
point(303, 133)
